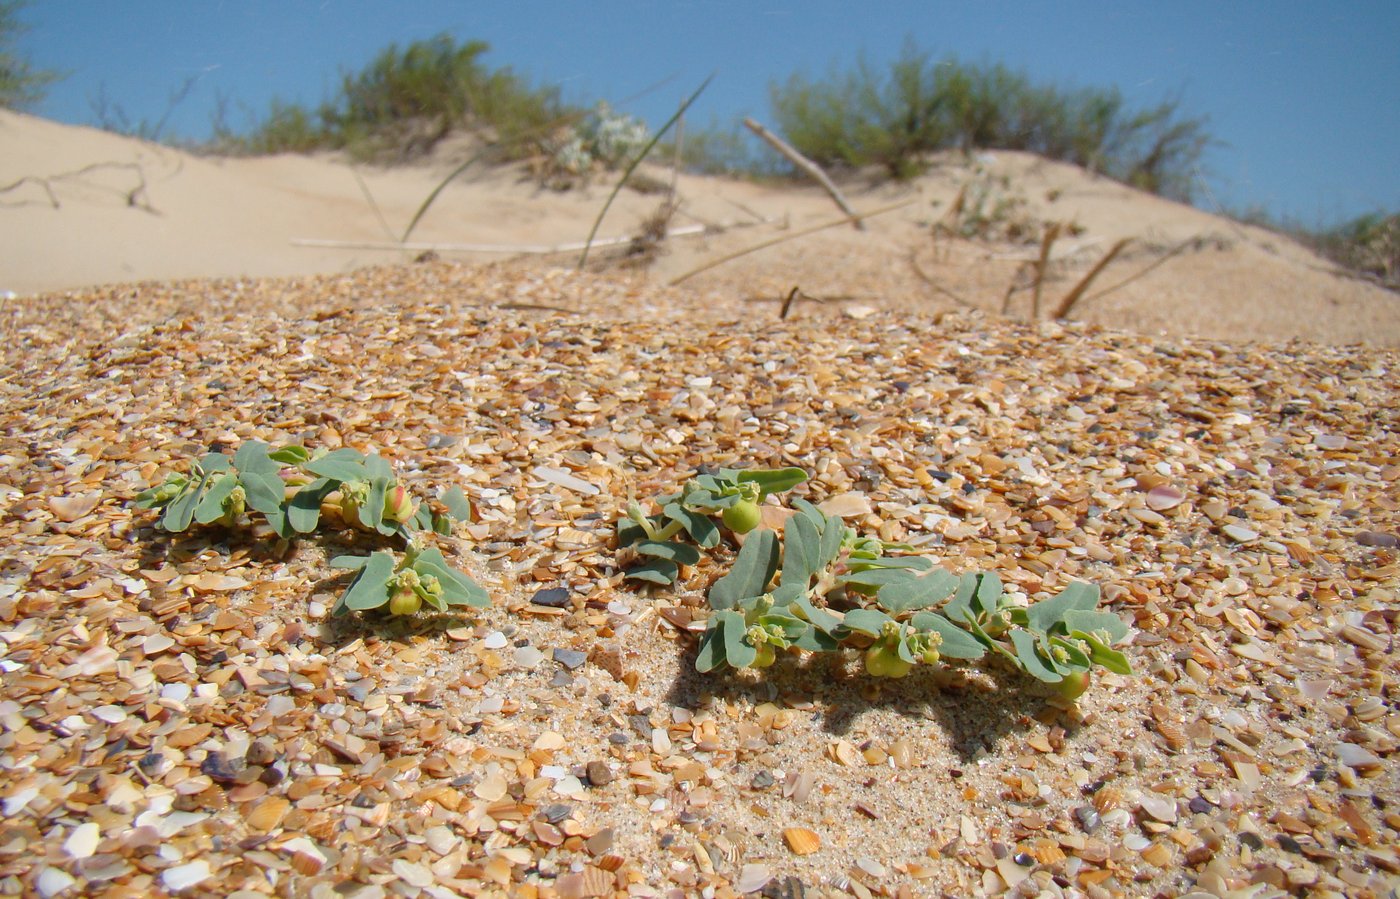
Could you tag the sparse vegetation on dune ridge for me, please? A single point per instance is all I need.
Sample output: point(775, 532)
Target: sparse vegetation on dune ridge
point(862, 117)
point(405, 101)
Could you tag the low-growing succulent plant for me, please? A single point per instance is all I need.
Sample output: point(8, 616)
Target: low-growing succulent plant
point(825, 588)
point(735, 496)
point(292, 489)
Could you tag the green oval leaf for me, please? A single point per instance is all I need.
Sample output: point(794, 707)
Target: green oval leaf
point(370, 589)
point(778, 480)
point(1049, 614)
point(957, 642)
point(211, 507)
point(304, 510)
point(917, 593)
point(753, 569)
point(711, 654)
point(657, 571)
point(866, 621)
point(1029, 657)
point(737, 650)
point(680, 553)
point(344, 464)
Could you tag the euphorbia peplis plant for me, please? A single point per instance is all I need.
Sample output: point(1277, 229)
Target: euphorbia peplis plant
point(292, 488)
point(733, 495)
point(825, 588)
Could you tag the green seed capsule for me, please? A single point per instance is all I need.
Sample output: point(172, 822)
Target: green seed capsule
point(742, 517)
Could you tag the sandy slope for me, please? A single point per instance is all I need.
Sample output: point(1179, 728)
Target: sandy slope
point(91, 208)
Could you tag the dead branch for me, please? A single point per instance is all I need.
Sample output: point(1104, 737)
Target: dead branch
point(1078, 290)
point(806, 165)
point(713, 263)
point(913, 262)
point(532, 249)
point(1175, 251)
point(1047, 240)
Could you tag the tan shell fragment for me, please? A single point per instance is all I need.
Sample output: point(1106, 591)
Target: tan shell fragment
point(71, 508)
point(801, 840)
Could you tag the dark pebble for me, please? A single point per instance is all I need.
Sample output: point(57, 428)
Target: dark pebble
point(218, 769)
point(617, 738)
point(554, 597)
point(762, 780)
point(1252, 840)
point(1024, 859)
point(557, 812)
point(598, 773)
point(1288, 844)
point(570, 658)
point(641, 724)
point(1200, 806)
point(275, 773)
point(150, 763)
point(561, 678)
point(1376, 538)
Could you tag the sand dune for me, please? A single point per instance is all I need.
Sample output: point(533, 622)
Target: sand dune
point(87, 207)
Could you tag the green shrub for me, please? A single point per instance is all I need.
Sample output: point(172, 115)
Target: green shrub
point(408, 99)
point(894, 120)
point(21, 85)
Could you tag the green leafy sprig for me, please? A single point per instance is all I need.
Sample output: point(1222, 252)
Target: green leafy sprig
point(292, 489)
point(733, 496)
point(825, 588)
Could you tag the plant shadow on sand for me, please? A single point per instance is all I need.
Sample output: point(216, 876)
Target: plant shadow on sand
point(976, 706)
point(159, 548)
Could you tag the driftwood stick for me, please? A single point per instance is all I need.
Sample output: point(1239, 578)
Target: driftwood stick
point(806, 165)
point(1078, 290)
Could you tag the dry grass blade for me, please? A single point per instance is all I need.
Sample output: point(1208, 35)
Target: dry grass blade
point(811, 168)
point(598, 222)
point(1174, 252)
point(713, 263)
point(927, 279)
point(1078, 290)
point(1052, 232)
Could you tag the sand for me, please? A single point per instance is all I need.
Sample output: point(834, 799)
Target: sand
point(93, 208)
point(180, 714)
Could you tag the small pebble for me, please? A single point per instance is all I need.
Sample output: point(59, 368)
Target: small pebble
point(53, 881)
point(182, 877)
point(82, 842)
point(557, 812)
point(552, 597)
point(570, 658)
point(1161, 808)
point(1239, 533)
point(598, 773)
point(528, 657)
point(1377, 538)
point(753, 878)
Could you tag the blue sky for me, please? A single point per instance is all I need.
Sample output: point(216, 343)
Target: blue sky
point(1305, 97)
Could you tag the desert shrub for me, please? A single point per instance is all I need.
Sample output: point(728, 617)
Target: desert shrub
point(21, 85)
point(895, 119)
point(1368, 244)
point(405, 101)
